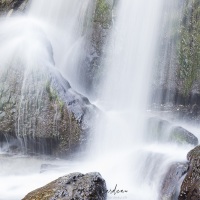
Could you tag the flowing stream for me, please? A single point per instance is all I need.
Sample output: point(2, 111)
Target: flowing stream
point(120, 150)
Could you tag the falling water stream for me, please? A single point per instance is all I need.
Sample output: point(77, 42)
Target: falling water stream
point(65, 24)
point(120, 151)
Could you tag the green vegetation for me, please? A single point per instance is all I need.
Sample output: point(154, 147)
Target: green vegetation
point(189, 48)
point(53, 97)
point(102, 13)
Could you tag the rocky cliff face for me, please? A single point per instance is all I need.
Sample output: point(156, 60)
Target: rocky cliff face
point(97, 36)
point(189, 48)
point(177, 72)
point(166, 81)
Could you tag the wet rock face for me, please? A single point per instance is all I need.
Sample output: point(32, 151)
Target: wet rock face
point(78, 186)
point(190, 188)
point(38, 107)
point(179, 79)
point(96, 43)
point(171, 180)
point(42, 111)
point(7, 5)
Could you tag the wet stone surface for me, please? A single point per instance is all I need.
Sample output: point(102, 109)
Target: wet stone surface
point(75, 186)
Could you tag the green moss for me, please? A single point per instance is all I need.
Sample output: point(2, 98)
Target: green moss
point(53, 97)
point(178, 138)
point(189, 47)
point(61, 106)
point(103, 13)
point(51, 92)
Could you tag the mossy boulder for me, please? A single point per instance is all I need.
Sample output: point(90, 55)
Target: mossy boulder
point(38, 107)
point(45, 115)
point(183, 136)
point(190, 188)
point(78, 186)
point(164, 131)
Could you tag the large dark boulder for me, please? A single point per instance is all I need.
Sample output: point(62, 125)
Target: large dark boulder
point(75, 186)
point(190, 188)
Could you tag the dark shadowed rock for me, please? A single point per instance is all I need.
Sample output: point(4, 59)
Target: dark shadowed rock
point(171, 180)
point(75, 186)
point(190, 188)
point(7, 6)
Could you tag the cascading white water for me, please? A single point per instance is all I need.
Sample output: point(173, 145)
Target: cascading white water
point(135, 163)
point(48, 35)
point(39, 41)
point(128, 68)
point(119, 152)
point(64, 24)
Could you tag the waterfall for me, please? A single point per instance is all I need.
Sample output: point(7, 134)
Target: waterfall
point(126, 147)
point(133, 161)
point(47, 38)
point(35, 46)
point(65, 24)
